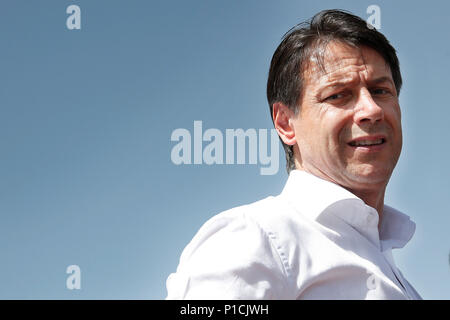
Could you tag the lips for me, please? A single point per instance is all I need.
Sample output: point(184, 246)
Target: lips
point(367, 141)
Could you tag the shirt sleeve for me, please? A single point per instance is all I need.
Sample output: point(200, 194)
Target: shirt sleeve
point(230, 258)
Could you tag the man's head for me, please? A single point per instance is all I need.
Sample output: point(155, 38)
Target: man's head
point(333, 86)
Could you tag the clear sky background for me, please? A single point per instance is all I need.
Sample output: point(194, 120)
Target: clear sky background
point(86, 117)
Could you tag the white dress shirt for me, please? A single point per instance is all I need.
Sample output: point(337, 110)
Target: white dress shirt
point(315, 240)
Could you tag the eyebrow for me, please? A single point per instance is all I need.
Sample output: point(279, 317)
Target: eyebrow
point(349, 80)
point(380, 80)
point(339, 83)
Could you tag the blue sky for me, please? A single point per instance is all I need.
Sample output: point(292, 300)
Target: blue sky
point(86, 175)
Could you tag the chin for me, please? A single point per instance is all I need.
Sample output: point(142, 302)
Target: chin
point(369, 174)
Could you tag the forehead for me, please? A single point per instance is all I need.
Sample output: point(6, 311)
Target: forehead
point(341, 63)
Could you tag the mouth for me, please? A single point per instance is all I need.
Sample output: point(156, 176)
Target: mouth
point(369, 143)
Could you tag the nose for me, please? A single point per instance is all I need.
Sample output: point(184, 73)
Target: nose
point(367, 110)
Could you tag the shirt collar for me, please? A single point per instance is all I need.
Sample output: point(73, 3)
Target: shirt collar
point(396, 229)
point(315, 197)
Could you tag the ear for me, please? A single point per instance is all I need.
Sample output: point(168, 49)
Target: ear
point(282, 120)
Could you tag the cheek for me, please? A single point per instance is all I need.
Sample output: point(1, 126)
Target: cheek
point(392, 111)
point(329, 132)
point(325, 131)
point(393, 118)
point(338, 127)
point(306, 129)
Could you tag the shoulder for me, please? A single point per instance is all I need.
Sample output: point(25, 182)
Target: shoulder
point(242, 222)
point(232, 256)
point(261, 222)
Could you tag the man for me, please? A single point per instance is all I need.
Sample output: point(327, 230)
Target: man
point(333, 90)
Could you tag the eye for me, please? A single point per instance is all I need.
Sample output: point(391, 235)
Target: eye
point(339, 98)
point(380, 91)
point(335, 96)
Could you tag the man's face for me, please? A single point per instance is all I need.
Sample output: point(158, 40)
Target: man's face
point(348, 129)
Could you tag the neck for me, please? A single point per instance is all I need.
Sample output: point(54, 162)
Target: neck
point(373, 198)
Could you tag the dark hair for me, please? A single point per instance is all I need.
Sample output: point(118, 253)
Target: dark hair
point(285, 80)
